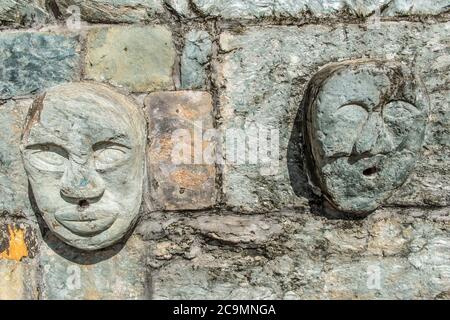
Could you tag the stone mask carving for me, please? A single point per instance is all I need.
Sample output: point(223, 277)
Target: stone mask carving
point(83, 149)
point(364, 128)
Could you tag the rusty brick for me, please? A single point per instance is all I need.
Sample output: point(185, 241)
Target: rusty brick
point(188, 185)
point(18, 271)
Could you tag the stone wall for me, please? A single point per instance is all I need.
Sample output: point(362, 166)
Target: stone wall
point(226, 229)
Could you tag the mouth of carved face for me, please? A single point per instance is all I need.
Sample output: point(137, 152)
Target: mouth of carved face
point(84, 220)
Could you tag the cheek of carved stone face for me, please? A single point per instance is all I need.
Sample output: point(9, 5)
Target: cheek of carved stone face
point(344, 130)
point(401, 119)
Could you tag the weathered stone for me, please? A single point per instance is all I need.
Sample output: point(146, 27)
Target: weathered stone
point(181, 7)
point(114, 273)
point(195, 60)
point(31, 62)
point(312, 258)
point(241, 9)
point(17, 241)
point(83, 148)
point(416, 7)
point(139, 58)
point(364, 127)
point(267, 90)
point(18, 280)
point(388, 237)
point(23, 12)
point(235, 229)
point(14, 200)
point(116, 11)
point(181, 176)
point(18, 246)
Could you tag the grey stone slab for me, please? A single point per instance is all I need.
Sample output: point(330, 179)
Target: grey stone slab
point(195, 60)
point(390, 255)
point(115, 273)
point(23, 12)
point(33, 61)
point(14, 201)
point(242, 9)
point(115, 11)
point(139, 58)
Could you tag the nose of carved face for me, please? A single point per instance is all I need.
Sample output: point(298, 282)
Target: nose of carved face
point(364, 127)
point(82, 186)
point(374, 137)
point(80, 182)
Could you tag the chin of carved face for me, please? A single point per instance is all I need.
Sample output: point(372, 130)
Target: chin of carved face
point(83, 150)
point(364, 127)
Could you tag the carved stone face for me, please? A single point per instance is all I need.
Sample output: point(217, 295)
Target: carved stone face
point(364, 127)
point(83, 150)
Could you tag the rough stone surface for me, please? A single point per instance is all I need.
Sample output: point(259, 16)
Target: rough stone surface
point(139, 58)
point(23, 12)
point(18, 280)
point(18, 241)
point(416, 7)
point(242, 9)
point(181, 7)
point(195, 60)
point(33, 61)
point(390, 255)
point(83, 148)
point(13, 181)
point(116, 11)
point(268, 89)
point(115, 273)
point(181, 180)
point(236, 229)
point(364, 127)
point(18, 269)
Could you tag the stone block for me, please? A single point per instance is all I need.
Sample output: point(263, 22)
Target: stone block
point(181, 178)
point(14, 199)
point(195, 60)
point(18, 269)
point(33, 61)
point(112, 11)
point(23, 12)
point(116, 273)
point(139, 58)
point(251, 10)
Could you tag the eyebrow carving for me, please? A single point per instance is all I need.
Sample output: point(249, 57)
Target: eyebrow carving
point(108, 143)
point(355, 103)
point(52, 147)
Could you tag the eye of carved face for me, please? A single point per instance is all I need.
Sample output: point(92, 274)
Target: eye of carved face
point(83, 150)
point(364, 127)
point(109, 155)
point(47, 157)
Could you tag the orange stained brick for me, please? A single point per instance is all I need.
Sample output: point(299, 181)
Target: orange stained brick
point(17, 248)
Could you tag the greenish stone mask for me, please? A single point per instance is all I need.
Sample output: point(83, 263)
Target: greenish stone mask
point(83, 149)
point(365, 123)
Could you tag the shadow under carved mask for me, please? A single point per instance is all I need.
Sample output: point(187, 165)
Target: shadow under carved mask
point(365, 123)
point(83, 149)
